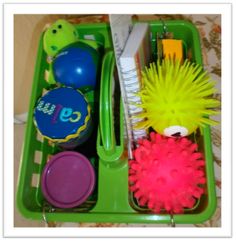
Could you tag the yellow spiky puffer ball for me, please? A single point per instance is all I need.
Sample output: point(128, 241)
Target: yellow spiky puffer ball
point(176, 98)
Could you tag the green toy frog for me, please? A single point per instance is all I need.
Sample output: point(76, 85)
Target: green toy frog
point(56, 37)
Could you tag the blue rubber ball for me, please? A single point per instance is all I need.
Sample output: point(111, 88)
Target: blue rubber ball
point(76, 66)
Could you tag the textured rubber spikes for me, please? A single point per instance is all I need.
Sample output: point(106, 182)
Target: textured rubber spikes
point(167, 173)
point(176, 97)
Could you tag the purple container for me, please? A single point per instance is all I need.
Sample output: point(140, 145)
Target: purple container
point(68, 179)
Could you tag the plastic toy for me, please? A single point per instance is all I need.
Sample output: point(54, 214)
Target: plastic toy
point(63, 116)
point(68, 179)
point(177, 98)
point(166, 173)
point(77, 66)
point(58, 35)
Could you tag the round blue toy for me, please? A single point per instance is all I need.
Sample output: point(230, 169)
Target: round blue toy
point(77, 66)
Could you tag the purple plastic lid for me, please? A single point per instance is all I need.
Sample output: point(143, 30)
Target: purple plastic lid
point(68, 179)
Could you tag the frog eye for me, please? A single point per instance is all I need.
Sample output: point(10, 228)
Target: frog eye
point(54, 31)
point(175, 131)
point(53, 47)
point(75, 33)
point(59, 26)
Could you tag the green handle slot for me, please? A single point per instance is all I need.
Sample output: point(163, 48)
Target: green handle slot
point(107, 148)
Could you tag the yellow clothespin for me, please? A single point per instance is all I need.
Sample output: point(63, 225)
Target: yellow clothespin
point(172, 48)
point(167, 46)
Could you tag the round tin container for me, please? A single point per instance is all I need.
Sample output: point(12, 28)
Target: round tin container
point(63, 116)
point(68, 179)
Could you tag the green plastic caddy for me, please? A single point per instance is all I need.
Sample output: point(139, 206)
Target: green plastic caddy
point(111, 200)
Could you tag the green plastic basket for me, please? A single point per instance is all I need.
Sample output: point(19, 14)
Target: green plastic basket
point(111, 201)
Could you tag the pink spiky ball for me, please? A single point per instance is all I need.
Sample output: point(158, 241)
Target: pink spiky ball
point(167, 173)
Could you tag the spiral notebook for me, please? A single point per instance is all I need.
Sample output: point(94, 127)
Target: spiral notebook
point(121, 26)
point(135, 56)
